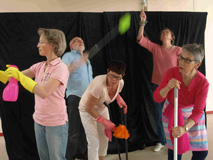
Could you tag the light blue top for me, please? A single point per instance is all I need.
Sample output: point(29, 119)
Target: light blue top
point(80, 78)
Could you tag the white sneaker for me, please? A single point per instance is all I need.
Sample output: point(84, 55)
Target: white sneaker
point(158, 147)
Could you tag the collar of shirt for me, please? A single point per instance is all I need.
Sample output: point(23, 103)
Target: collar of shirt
point(75, 52)
point(55, 61)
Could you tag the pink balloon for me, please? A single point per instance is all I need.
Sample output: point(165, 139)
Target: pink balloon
point(10, 92)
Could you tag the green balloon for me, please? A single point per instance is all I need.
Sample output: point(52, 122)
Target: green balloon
point(124, 23)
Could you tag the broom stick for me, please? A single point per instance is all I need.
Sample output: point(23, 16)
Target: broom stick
point(110, 114)
point(175, 120)
point(126, 142)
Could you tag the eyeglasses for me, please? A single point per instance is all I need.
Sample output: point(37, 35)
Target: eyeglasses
point(113, 76)
point(42, 42)
point(77, 40)
point(186, 60)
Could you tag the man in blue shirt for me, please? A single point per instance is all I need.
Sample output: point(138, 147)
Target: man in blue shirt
point(80, 76)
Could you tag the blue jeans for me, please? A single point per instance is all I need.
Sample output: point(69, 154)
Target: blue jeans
point(196, 155)
point(51, 141)
point(158, 115)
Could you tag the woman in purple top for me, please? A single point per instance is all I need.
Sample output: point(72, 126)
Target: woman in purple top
point(164, 57)
point(193, 89)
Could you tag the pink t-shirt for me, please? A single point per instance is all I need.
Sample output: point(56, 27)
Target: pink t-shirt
point(193, 95)
point(51, 111)
point(98, 89)
point(163, 59)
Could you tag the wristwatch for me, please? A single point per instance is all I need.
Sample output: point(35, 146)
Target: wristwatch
point(186, 128)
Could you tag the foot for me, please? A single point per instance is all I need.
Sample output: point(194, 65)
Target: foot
point(158, 147)
point(143, 146)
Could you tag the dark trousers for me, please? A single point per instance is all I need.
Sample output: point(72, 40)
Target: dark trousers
point(18, 127)
point(77, 143)
point(196, 155)
point(158, 115)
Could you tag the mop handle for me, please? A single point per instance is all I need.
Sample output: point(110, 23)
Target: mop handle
point(144, 4)
point(110, 115)
point(126, 142)
point(175, 120)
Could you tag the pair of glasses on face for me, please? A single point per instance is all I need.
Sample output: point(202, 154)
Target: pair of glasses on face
point(42, 42)
point(77, 40)
point(186, 60)
point(113, 76)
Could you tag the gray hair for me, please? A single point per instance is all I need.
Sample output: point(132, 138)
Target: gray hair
point(196, 50)
point(55, 37)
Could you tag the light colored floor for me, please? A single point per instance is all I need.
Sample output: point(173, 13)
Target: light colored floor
point(147, 153)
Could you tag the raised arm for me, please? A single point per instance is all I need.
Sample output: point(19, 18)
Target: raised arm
point(28, 73)
point(31, 85)
point(142, 25)
point(74, 65)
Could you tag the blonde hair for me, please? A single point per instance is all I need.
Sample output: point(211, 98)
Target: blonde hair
point(55, 37)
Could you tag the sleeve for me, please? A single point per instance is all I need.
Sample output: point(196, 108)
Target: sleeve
point(67, 58)
point(146, 43)
point(97, 88)
point(34, 68)
point(121, 85)
point(90, 70)
point(179, 50)
point(61, 73)
point(200, 100)
point(164, 82)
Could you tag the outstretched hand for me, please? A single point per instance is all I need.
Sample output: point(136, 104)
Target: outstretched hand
point(3, 77)
point(26, 82)
point(12, 72)
point(143, 16)
point(82, 60)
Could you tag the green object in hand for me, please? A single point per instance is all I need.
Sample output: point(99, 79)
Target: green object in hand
point(124, 23)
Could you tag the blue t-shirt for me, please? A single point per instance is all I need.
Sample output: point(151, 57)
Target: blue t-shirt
point(80, 78)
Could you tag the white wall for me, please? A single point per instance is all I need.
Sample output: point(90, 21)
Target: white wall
point(207, 6)
point(124, 5)
point(68, 5)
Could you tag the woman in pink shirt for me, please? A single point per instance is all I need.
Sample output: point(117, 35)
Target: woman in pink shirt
point(164, 57)
point(193, 88)
point(51, 76)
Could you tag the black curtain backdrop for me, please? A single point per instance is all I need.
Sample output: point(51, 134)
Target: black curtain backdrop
point(18, 41)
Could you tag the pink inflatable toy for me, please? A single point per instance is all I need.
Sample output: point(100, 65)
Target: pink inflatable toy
point(10, 92)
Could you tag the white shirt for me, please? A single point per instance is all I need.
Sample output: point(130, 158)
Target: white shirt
point(98, 89)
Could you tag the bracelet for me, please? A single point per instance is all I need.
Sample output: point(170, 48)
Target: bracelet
point(141, 23)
